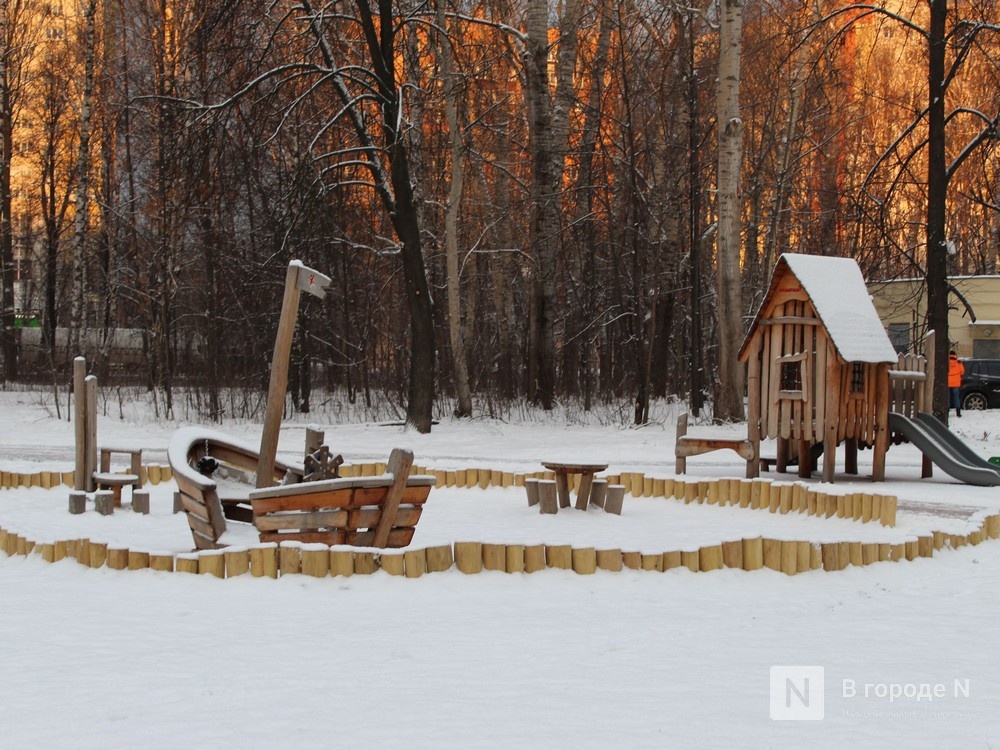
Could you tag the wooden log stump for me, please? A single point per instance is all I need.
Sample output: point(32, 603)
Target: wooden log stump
point(342, 562)
point(547, 501)
point(59, 550)
point(316, 560)
point(993, 526)
point(178, 502)
point(599, 492)
point(534, 558)
point(614, 499)
point(469, 557)
point(77, 502)
point(237, 561)
point(212, 562)
point(712, 493)
point(584, 561)
point(264, 560)
point(514, 558)
point(138, 560)
point(609, 559)
point(118, 558)
point(140, 502)
point(494, 557)
point(186, 562)
point(48, 551)
point(104, 502)
point(531, 488)
point(439, 558)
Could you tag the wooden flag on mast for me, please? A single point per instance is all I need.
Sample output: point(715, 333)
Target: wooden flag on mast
point(311, 281)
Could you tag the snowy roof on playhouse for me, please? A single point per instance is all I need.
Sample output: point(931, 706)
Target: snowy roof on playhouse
point(836, 288)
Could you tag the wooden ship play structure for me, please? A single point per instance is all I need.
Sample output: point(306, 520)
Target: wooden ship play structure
point(222, 479)
point(821, 373)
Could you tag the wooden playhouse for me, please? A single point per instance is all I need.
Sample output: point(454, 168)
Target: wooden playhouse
point(818, 362)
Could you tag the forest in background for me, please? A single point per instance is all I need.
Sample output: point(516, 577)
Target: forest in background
point(514, 201)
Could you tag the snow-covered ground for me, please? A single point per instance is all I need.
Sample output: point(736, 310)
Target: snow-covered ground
point(103, 658)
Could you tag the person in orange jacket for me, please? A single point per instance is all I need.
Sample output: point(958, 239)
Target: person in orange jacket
point(955, 372)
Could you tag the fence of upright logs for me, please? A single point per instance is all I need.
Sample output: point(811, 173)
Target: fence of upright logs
point(755, 553)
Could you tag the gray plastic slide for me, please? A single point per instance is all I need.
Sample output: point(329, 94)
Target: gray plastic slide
point(949, 453)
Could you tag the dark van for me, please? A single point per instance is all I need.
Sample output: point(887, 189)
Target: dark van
point(981, 384)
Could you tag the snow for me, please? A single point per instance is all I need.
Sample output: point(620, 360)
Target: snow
point(839, 295)
point(104, 658)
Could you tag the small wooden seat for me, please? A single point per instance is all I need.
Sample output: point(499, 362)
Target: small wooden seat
point(105, 479)
point(694, 446)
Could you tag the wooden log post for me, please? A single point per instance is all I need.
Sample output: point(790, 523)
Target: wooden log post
point(342, 562)
point(753, 553)
point(316, 560)
point(584, 560)
point(732, 554)
point(672, 559)
point(599, 492)
point(186, 562)
point(439, 558)
point(691, 559)
point(161, 561)
point(365, 563)
point(789, 557)
point(237, 561)
point(559, 556)
point(534, 558)
point(514, 558)
point(609, 559)
point(632, 560)
point(652, 561)
point(117, 558)
point(264, 560)
point(98, 554)
point(414, 563)
point(494, 557)
point(138, 560)
point(290, 557)
point(469, 557)
point(212, 562)
point(392, 563)
point(710, 557)
point(297, 278)
point(772, 553)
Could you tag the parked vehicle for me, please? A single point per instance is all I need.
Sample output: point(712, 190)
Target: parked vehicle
point(981, 384)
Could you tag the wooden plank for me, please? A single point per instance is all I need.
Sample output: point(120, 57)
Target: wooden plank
point(400, 462)
point(368, 518)
point(311, 501)
point(320, 519)
point(331, 538)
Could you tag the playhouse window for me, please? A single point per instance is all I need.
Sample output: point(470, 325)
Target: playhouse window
point(857, 377)
point(791, 376)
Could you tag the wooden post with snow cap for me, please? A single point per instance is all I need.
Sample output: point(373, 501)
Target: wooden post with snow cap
point(298, 278)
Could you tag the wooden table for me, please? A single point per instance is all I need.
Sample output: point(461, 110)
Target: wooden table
point(563, 472)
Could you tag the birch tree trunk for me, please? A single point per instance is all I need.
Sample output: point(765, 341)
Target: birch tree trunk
point(452, 208)
point(548, 118)
point(83, 177)
point(729, 304)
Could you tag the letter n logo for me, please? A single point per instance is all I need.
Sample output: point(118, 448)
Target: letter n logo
point(797, 693)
